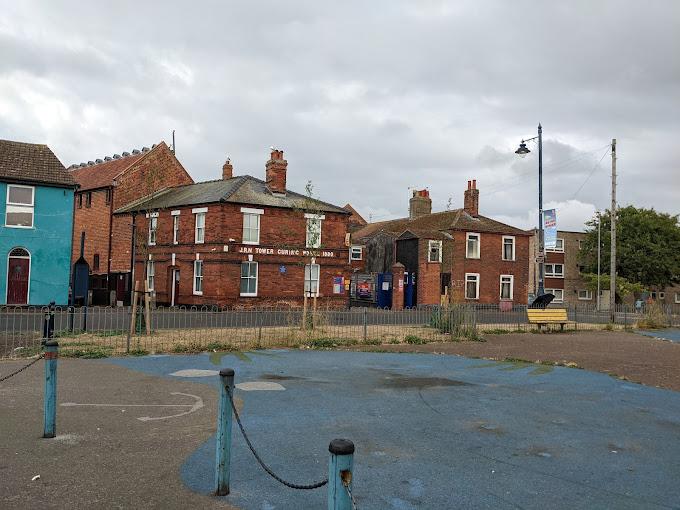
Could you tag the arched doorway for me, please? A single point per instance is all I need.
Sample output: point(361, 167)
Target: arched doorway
point(18, 276)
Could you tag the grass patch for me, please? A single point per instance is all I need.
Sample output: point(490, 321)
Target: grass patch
point(138, 352)
point(501, 331)
point(220, 346)
point(414, 339)
point(68, 332)
point(95, 353)
point(372, 341)
point(328, 343)
point(517, 360)
point(654, 318)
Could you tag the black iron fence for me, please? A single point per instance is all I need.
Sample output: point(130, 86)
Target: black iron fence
point(99, 331)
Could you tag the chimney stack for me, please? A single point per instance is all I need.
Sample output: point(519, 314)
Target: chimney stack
point(420, 204)
point(276, 172)
point(472, 199)
point(227, 170)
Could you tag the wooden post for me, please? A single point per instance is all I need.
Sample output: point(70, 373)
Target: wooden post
point(304, 311)
point(134, 310)
point(340, 468)
point(146, 306)
point(223, 454)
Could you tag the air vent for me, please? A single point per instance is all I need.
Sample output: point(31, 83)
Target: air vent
point(126, 154)
point(108, 158)
point(90, 163)
point(135, 151)
point(99, 161)
point(145, 149)
point(116, 156)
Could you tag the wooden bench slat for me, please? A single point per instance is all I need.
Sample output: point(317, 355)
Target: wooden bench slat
point(548, 316)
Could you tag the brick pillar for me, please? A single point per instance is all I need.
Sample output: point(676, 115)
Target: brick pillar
point(398, 286)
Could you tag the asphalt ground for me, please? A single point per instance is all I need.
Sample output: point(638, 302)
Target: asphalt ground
point(672, 335)
point(438, 432)
point(431, 432)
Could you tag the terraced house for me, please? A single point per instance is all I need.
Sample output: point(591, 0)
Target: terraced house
point(241, 241)
point(35, 238)
point(457, 253)
point(106, 185)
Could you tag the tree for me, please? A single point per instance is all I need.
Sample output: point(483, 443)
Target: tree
point(647, 246)
point(623, 286)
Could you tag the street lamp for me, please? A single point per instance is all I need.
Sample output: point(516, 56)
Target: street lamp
point(523, 151)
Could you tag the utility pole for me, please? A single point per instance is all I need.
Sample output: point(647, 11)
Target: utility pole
point(612, 272)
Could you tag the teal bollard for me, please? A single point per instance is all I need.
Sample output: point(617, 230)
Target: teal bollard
point(224, 432)
point(50, 405)
point(340, 468)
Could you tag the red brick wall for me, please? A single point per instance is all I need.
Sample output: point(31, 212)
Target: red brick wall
point(280, 229)
point(95, 221)
point(429, 276)
point(490, 267)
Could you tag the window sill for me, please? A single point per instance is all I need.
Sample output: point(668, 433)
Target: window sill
point(198, 293)
point(248, 295)
point(19, 226)
point(476, 258)
point(508, 260)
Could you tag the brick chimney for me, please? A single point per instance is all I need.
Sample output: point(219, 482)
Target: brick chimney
point(276, 172)
point(420, 204)
point(227, 170)
point(472, 199)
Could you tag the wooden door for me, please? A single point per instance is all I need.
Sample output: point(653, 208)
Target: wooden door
point(17, 281)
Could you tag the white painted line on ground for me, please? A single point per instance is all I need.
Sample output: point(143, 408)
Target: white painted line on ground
point(260, 386)
point(195, 372)
point(194, 407)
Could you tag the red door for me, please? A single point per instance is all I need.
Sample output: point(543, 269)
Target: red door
point(17, 281)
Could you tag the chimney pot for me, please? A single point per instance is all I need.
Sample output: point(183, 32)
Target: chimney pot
point(276, 169)
point(472, 199)
point(227, 170)
point(420, 204)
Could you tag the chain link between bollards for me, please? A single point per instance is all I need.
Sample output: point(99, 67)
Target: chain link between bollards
point(23, 368)
point(271, 473)
point(349, 493)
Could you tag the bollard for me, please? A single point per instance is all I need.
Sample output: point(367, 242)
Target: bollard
point(341, 461)
point(223, 454)
point(50, 406)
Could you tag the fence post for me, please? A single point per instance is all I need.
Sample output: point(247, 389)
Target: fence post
point(340, 466)
point(474, 320)
point(259, 336)
point(223, 454)
point(575, 318)
point(625, 316)
point(365, 320)
point(50, 404)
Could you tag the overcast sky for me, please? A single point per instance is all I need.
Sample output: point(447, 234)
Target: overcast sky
point(368, 100)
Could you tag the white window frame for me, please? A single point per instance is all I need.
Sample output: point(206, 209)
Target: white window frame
point(559, 248)
point(509, 280)
point(199, 231)
point(586, 296)
point(310, 269)
point(249, 213)
point(313, 219)
point(580, 244)
point(249, 277)
point(356, 253)
point(553, 273)
point(153, 227)
point(18, 207)
point(512, 240)
point(555, 293)
point(472, 277)
point(175, 227)
point(198, 278)
point(677, 297)
point(437, 245)
point(150, 272)
point(477, 245)
point(662, 295)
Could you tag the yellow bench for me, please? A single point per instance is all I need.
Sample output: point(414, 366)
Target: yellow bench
point(549, 316)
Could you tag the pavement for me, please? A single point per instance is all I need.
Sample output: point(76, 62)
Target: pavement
point(672, 335)
point(431, 432)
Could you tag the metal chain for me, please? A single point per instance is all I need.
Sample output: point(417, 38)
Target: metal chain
point(24, 368)
point(349, 492)
point(287, 484)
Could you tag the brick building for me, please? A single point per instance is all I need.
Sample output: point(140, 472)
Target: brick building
point(562, 271)
point(106, 185)
point(241, 241)
point(472, 257)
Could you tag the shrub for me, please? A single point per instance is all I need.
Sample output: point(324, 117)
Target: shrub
point(654, 318)
point(413, 339)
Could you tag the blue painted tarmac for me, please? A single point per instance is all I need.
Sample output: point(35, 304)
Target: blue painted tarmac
point(438, 432)
point(672, 335)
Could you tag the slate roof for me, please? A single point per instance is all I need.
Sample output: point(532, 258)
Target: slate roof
point(101, 175)
point(32, 163)
point(432, 225)
point(244, 190)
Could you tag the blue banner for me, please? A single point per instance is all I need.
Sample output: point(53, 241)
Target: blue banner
point(549, 229)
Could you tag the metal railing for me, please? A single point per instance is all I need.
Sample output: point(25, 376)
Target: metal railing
point(100, 332)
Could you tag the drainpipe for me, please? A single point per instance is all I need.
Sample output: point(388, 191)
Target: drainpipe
point(134, 238)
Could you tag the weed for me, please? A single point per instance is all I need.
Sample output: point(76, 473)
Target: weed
point(394, 341)
point(372, 341)
point(609, 327)
point(413, 339)
point(68, 332)
point(501, 331)
point(221, 346)
point(114, 332)
point(654, 318)
point(74, 344)
point(100, 352)
point(517, 360)
point(138, 352)
point(546, 362)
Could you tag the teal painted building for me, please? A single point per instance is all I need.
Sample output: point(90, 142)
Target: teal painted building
point(36, 207)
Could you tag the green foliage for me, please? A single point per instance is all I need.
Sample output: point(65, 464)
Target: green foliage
point(92, 353)
point(623, 286)
point(654, 318)
point(609, 327)
point(372, 341)
point(68, 332)
point(501, 331)
point(413, 339)
point(327, 343)
point(138, 352)
point(647, 246)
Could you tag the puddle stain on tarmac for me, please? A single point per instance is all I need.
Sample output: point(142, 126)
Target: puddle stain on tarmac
point(539, 368)
point(403, 382)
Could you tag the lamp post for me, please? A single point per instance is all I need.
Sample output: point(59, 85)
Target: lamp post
point(523, 151)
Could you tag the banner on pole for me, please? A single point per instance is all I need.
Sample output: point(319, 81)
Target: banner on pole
point(549, 229)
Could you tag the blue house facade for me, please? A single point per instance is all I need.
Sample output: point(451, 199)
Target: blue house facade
point(36, 207)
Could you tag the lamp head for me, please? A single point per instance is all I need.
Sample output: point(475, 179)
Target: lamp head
point(522, 151)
